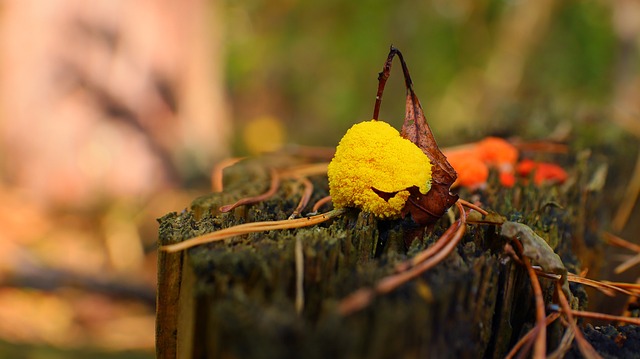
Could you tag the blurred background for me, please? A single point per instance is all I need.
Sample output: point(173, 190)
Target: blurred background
point(113, 112)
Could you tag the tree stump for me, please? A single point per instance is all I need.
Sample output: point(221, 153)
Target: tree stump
point(236, 298)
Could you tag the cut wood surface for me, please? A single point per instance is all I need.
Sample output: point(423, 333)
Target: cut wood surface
point(237, 298)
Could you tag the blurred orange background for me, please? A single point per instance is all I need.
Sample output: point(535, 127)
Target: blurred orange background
point(107, 109)
point(113, 112)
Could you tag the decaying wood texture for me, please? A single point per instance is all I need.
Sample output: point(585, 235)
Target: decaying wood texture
point(237, 298)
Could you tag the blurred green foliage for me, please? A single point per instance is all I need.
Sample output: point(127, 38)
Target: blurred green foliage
point(577, 57)
point(314, 64)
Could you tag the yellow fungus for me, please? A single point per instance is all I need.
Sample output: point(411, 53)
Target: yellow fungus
point(372, 154)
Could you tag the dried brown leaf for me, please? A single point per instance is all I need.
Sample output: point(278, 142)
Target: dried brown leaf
point(424, 208)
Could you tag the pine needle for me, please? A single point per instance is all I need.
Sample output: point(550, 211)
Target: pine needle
point(252, 228)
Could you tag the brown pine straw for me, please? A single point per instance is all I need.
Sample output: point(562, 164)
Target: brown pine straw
point(633, 287)
point(576, 313)
point(540, 345)
point(321, 202)
point(429, 252)
point(422, 256)
point(540, 328)
point(298, 172)
point(603, 286)
point(253, 227)
point(299, 255)
point(585, 347)
point(216, 175)
point(473, 206)
point(530, 335)
point(311, 152)
point(565, 343)
point(359, 299)
point(603, 316)
point(306, 195)
point(629, 200)
point(275, 184)
point(631, 262)
point(617, 241)
point(305, 170)
point(608, 288)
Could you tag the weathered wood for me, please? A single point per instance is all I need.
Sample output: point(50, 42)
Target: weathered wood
point(236, 298)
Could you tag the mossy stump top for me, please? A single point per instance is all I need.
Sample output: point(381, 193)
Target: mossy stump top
point(236, 298)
